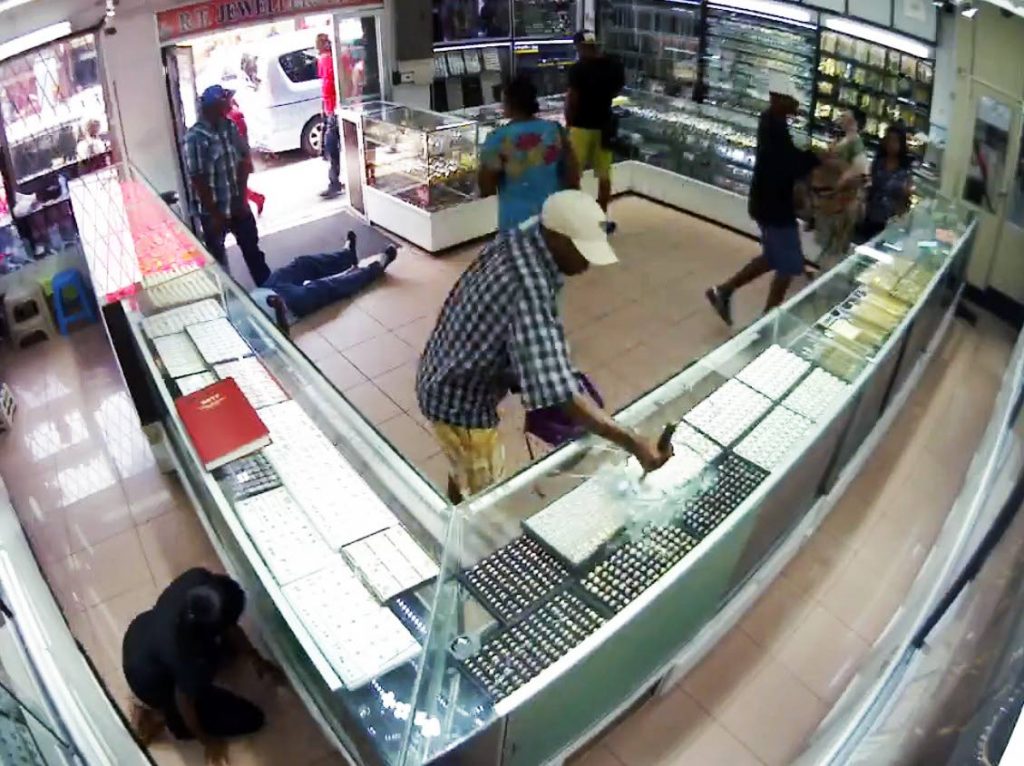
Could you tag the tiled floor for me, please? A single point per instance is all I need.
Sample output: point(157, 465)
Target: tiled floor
point(630, 326)
point(110, 530)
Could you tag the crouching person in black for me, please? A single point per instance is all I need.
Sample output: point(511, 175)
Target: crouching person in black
point(172, 654)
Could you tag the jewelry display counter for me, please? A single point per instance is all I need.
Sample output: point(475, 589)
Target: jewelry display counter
point(509, 629)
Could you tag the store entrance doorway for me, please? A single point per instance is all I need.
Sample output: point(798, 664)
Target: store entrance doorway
point(272, 70)
point(992, 183)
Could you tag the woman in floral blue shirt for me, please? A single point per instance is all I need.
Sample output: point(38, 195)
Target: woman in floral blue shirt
point(891, 184)
point(527, 160)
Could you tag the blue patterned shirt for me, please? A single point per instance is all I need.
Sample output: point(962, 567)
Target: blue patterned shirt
point(498, 326)
point(214, 152)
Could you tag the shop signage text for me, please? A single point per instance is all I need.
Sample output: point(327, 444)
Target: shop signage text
point(220, 14)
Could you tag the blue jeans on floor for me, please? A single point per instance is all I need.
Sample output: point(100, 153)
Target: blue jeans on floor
point(311, 282)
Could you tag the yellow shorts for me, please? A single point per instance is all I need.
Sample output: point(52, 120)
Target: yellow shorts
point(476, 456)
point(586, 144)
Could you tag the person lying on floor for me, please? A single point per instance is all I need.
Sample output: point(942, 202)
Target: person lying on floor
point(311, 282)
point(172, 655)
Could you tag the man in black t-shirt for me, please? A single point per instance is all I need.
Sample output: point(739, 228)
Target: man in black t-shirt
point(172, 653)
point(778, 165)
point(594, 81)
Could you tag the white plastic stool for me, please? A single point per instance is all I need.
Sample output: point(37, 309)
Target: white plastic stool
point(27, 313)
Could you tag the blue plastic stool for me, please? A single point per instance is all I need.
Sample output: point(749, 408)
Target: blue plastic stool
point(71, 280)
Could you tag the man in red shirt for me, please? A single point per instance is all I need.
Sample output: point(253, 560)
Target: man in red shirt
point(329, 106)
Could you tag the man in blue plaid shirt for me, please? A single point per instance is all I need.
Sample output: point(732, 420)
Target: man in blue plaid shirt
point(500, 329)
point(218, 164)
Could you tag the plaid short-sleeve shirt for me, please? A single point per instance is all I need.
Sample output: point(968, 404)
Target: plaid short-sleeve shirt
point(214, 152)
point(499, 325)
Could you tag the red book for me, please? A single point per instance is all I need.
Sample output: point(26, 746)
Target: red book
point(221, 422)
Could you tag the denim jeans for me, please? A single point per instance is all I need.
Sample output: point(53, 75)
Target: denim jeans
point(248, 238)
point(311, 282)
point(332, 148)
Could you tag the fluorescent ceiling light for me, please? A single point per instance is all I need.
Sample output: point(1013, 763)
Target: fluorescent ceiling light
point(768, 8)
point(880, 36)
point(34, 39)
point(535, 43)
point(446, 48)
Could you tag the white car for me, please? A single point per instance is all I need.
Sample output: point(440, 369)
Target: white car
point(279, 92)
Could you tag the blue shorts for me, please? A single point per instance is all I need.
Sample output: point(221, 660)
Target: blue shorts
point(781, 247)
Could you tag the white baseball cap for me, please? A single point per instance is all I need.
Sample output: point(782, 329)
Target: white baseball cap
point(782, 85)
point(578, 216)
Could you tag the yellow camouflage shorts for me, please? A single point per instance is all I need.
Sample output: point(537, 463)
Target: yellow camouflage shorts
point(476, 456)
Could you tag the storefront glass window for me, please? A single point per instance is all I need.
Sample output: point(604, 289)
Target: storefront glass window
point(53, 108)
point(459, 20)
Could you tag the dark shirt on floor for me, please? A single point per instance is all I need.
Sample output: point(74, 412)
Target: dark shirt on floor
point(596, 81)
point(159, 657)
point(778, 165)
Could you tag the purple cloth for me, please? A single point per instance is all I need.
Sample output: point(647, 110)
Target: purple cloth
point(552, 426)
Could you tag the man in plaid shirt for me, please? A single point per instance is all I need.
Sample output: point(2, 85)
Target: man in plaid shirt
point(218, 165)
point(500, 328)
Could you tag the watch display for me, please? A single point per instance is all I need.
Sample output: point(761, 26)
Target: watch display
point(516, 654)
point(773, 438)
point(732, 480)
point(580, 522)
point(183, 284)
point(728, 412)
point(286, 540)
point(177, 319)
point(179, 355)
point(189, 384)
point(257, 384)
point(774, 371)
point(218, 340)
point(637, 564)
point(248, 476)
point(360, 639)
point(390, 562)
point(815, 394)
point(515, 578)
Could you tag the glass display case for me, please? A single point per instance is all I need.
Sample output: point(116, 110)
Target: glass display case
point(741, 52)
point(426, 159)
point(504, 630)
point(546, 63)
point(708, 143)
point(466, 20)
point(889, 85)
point(544, 18)
point(658, 43)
